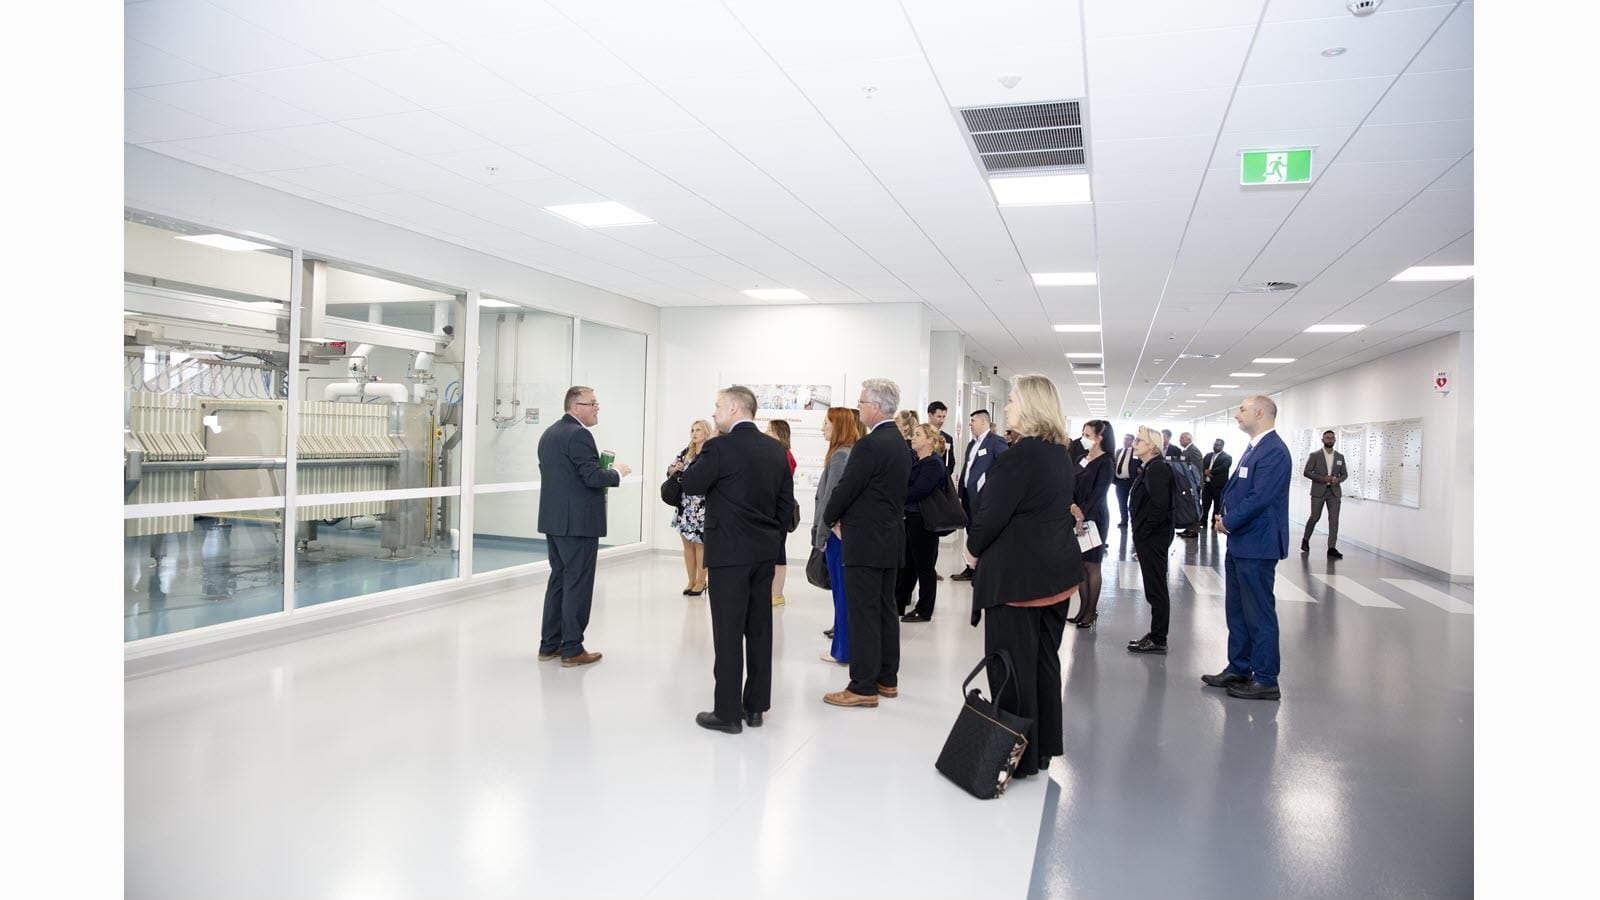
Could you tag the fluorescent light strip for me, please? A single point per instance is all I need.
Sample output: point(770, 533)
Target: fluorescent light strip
point(223, 242)
point(1063, 279)
point(1084, 355)
point(1246, 374)
point(1334, 329)
point(605, 214)
point(1040, 190)
point(1077, 329)
point(1208, 395)
point(1435, 273)
point(1225, 387)
point(1273, 360)
point(491, 303)
point(776, 294)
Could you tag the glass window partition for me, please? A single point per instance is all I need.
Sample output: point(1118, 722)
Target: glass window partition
point(505, 530)
point(612, 361)
point(524, 370)
point(189, 571)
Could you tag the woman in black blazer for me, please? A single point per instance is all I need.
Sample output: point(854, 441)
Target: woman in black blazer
point(1150, 504)
point(922, 545)
point(1024, 534)
point(1092, 479)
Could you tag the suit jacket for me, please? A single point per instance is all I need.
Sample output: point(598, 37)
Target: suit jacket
point(1256, 502)
point(1023, 531)
point(572, 499)
point(1215, 479)
point(869, 500)
point(830, 477)
point(980, 456)
point(1173, 452)
point(1193, 456)
point(1135, 465)
point(1317, 466)
point(749, 492)
point(1150, 502)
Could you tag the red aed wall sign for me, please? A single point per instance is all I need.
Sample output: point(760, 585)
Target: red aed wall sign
point(1441, 382)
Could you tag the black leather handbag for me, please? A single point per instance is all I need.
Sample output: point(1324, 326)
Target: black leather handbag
point(672, 491)
point(986, 744)
point(941, 510)
point(817, 570)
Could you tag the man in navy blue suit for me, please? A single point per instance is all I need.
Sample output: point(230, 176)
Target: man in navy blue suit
point(981, 451)
point(1255, 517)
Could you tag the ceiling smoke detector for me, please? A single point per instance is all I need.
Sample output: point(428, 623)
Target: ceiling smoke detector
point(1266, 287)
point(1363, 8)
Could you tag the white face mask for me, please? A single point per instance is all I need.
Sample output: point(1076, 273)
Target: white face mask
point(1087, 442)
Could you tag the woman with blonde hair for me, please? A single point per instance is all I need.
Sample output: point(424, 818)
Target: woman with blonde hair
point(922, 546)
point(906, 421)
point(1150, 502)
point(690, 519)
point(1026, 530)
point(778, 430)
point(839, 430)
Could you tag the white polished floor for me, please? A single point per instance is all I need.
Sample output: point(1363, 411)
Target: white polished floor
point(433, 756)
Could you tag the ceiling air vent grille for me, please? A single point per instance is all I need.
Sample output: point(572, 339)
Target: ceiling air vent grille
point(1030, 137)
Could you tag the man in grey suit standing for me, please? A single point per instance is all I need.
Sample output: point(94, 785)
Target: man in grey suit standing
point(1327, 471)
point(572, 518)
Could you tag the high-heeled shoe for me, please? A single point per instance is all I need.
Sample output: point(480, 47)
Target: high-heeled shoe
point(695, 591)
point(1075, 619)
point(1089, 623)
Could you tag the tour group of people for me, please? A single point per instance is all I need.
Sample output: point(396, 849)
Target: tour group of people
point(1037, 517)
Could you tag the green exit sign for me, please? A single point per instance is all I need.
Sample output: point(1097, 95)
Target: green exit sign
point(1275, 166)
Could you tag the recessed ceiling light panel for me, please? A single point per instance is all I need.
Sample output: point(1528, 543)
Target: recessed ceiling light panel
point(1077, 329)
point(1063, 279)
point(1246, 374)
point(1435, 273)
point(776, 294)
point(1273, 360)
point(223, 242)
point(1334, 329)
point(605, 214)
point(1084, 355)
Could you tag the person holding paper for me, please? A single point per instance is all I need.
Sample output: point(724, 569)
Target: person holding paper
point(572, 517)
point(1093, 514)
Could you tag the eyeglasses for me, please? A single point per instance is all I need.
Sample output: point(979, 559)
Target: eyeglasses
point(586, 404)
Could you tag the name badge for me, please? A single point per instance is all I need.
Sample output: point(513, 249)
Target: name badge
point(1244, 471)
point(983, 452)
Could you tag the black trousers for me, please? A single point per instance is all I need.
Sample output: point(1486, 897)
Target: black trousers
point(874, 628)
point(569, 594)
point(1153, 569)
point(741, 633)
point(1209, 498)
point(1123, 489)
point(922, 552)
point(1032, 635)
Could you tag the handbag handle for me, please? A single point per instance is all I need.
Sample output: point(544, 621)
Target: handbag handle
point(1005, 659)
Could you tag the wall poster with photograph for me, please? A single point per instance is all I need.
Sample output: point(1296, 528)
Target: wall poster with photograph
point(803, 404)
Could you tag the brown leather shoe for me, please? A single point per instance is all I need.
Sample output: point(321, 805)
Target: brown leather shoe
point(885, 691)
point(849, 698)
point(582, 659)
point(546, 657)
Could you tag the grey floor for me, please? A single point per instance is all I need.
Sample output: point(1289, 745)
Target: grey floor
point(1357, 784)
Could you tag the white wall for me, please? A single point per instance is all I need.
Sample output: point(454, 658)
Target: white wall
point(701, 347)
point(1438, 535)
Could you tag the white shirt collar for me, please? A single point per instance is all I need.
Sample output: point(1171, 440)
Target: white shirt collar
point(1257, 439)
point(741, 422)
point(880, 425)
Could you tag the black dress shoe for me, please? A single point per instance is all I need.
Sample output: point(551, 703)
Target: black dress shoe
point(710, 720)
point(753, 719)
point(1146, 645)
point(1253, 690)
point(1305, 546)
point(1224, 678)
point(1334, 554)
point(828, 634)
point(914, 617)
point(963, 575)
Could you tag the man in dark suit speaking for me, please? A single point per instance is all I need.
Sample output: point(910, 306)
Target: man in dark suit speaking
point(744, 476)
point(866, 510)
point(1255, 517)
point(572, 518)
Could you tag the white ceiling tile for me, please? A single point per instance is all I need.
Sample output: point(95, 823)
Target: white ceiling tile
point(552, 60)
point(1114, 182)
point(200, 33)
point(822, 32)
point(180, 150)
point(1183, 61)
point(1459, 253)
point(1222, 197)
point(1460, 176)
point(706, 38)
point(412, 208)
point(1451, 47)
point(1114, 117)
point(1368, 178)
point(336, 181)
point(1310, 105)
point(328, 91)
point(1114, 18)
point(421, 133)
point(1452, 205)
point(751, 101)
point(332, 30)
point(433, 77)
point(144, 65)
point(620, 111)
point(334, 143)
point(1426, 140)
point(152, 120)
point(513, 123)
point(549, 192)
point(660, 241)
point(968, 54)
point(1378, 45)
point(1429, 97)
point(508, 166)
point(230, 103)
point(246, 152)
